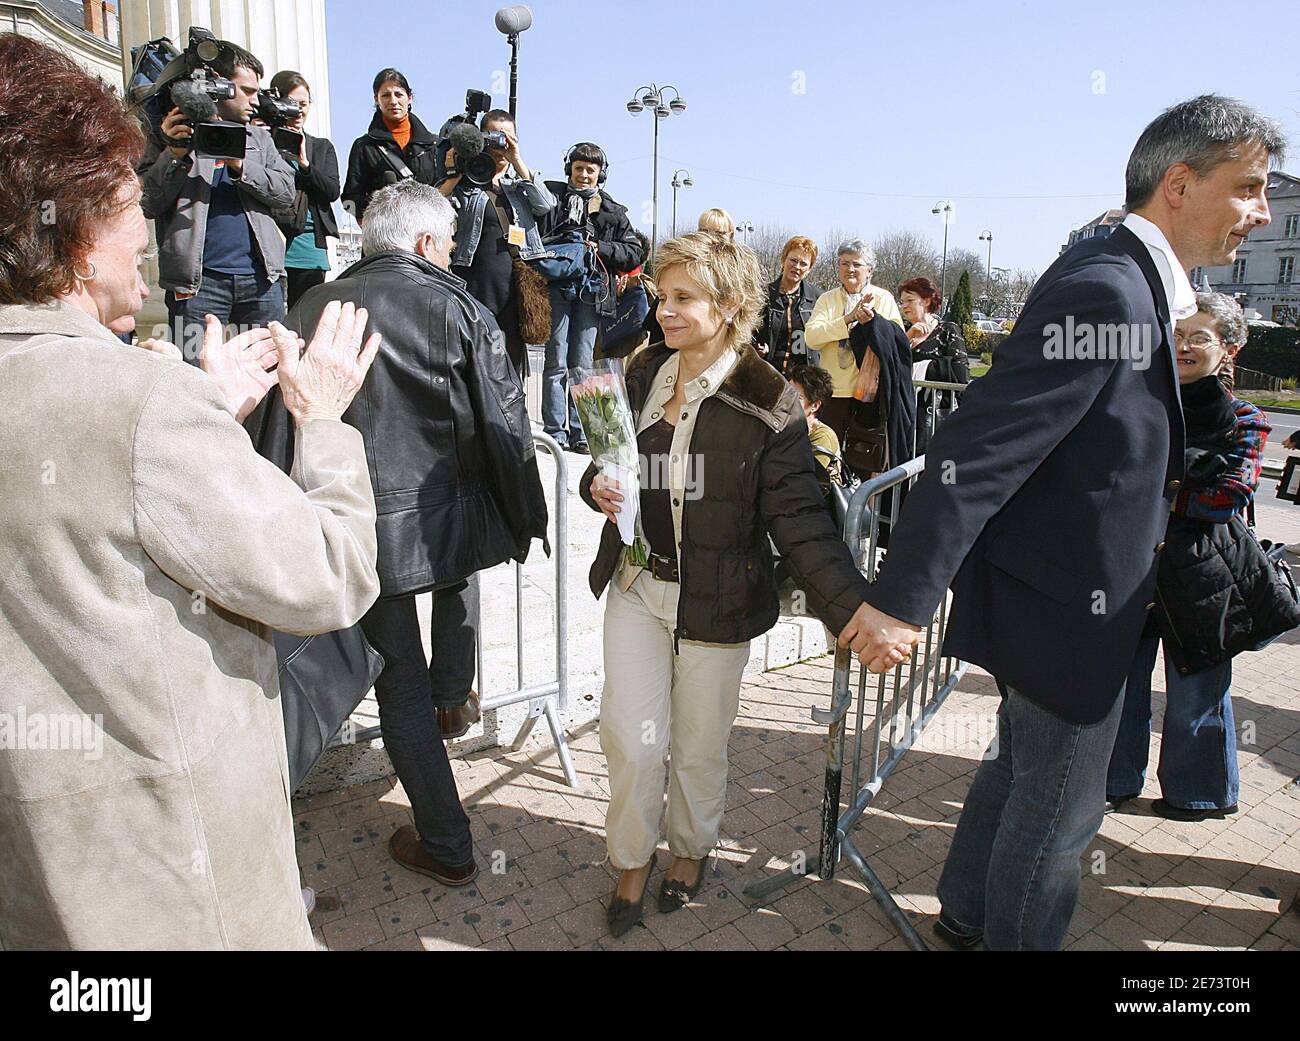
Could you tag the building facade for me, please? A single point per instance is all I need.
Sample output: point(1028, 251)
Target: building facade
point(1102, 225)
point(1264, 278)
point(85, 30)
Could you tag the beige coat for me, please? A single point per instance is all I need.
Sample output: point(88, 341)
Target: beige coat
point(145, 549)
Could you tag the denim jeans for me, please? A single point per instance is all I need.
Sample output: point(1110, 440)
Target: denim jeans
point(409, 691)
point(572, 343)
point(1013, 867)
point(1198, 742)
point(243, 300)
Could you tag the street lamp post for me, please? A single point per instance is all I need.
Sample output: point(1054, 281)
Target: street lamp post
point(743, 228)
point(945, 207)
point(987, 236)
point(685, 182)
point(652, 97)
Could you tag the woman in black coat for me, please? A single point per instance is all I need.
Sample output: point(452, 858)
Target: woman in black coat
point(725, 464)
point(396, 146)
point(1201, 588)
point(311, 222)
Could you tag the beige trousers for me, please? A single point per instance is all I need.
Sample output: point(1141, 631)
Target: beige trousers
point(654, 701)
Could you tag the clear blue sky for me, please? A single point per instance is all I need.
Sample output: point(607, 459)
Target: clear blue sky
point(1022, 113)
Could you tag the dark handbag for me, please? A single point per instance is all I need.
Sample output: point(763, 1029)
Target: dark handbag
point(322, 681)
point(292, 220)
point(620, 335)
point(866, 439)
point(1283, 581)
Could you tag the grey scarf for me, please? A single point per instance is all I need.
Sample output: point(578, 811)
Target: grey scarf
point(579, 200)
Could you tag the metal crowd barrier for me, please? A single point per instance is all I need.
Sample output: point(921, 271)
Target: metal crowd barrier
point(901, 704)
point(941, 406)
point(548, 699)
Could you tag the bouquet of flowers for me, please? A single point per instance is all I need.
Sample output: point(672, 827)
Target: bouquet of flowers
point(607, 422)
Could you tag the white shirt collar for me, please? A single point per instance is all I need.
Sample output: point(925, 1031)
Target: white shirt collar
point(1179, 293)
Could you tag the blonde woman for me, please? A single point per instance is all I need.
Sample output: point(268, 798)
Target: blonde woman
point(730, 436)
point(719, 222)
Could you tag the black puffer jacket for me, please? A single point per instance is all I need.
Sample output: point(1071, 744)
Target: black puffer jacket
point(448, 442)
point(757, 478)
point(1214, 587)
point(369, 169)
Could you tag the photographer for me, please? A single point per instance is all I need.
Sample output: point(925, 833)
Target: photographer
point(585, 206)
point(219, 250)
point(496, 231)
point(316, 177)
point(396, 147)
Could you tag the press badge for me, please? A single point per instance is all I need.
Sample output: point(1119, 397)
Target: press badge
point(515, 235)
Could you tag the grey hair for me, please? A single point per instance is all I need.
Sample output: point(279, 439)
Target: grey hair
point(397, 215)
point(1202, 133)
point(1229, 322)
point(857, 246)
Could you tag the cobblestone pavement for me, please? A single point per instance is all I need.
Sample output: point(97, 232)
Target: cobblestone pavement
point(1217, 885)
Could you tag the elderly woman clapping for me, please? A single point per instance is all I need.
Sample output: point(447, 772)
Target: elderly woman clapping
point(854, 302)
point(145, 553)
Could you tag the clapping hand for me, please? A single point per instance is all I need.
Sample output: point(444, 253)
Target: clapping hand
point(320, 382)
point(242, 367)
point(879, 641)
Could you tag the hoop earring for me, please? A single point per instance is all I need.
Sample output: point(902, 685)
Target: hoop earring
point(86, 278)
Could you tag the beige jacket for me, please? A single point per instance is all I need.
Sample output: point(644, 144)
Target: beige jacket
point(828, 332)
point(145, 549)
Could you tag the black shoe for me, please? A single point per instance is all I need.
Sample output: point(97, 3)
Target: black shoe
point(578, 448)
point(675, 894)
point(622, 914)
point(1114, 802)
point(1177, 813)
point(955, 938)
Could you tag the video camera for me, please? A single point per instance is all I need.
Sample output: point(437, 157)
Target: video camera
point(473, 162)
point(277, 112)
point(163, 78)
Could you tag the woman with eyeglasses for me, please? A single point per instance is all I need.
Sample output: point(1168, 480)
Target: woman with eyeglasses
point(1225, 447)
point(790, 302)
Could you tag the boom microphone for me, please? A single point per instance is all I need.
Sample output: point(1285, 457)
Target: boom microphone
point(514, 19)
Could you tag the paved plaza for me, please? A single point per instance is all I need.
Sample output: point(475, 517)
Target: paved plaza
point(1148, 883)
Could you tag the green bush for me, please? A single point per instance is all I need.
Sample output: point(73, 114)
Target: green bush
point(987, 357)
point(1290, 384)
point(975, 340)
point(1274, 351)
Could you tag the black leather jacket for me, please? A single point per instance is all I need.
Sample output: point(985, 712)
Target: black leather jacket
point(753, 440)
point(448, 442)
point(772, 335)
point(370, 169)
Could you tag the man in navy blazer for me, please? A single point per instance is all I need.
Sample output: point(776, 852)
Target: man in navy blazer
point(1043, 504)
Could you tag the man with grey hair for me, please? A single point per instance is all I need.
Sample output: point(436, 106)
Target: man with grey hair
point(853, 303)
point(1043, 506)
point(457, 490)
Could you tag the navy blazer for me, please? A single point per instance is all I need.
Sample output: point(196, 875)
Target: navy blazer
point(1045, 497)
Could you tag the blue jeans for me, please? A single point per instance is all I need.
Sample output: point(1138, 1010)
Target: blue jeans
point(242, 300)
point(409, 691)
point(572, 343)
point(1198, 743)
point(1013, 868)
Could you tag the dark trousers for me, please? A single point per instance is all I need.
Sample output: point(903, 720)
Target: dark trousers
point(301, 279)
point(409, 691)
point(246, 301)
point(1013, 868)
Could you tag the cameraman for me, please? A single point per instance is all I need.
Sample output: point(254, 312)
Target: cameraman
point(584, 205)
point(219, 250)
point(496, 225)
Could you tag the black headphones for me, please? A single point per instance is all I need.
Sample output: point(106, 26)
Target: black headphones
point(604, 161)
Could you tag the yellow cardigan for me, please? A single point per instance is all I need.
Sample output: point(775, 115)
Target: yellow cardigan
point(827, 332)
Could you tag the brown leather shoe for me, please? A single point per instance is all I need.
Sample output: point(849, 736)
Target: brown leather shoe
point(407, 849)
point(455, 722)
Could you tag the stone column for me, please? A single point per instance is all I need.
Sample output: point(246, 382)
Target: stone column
point(284, 34)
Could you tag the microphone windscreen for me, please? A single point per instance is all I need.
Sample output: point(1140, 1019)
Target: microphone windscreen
point(514, 19)
point(193, 100)
point(466, 139)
